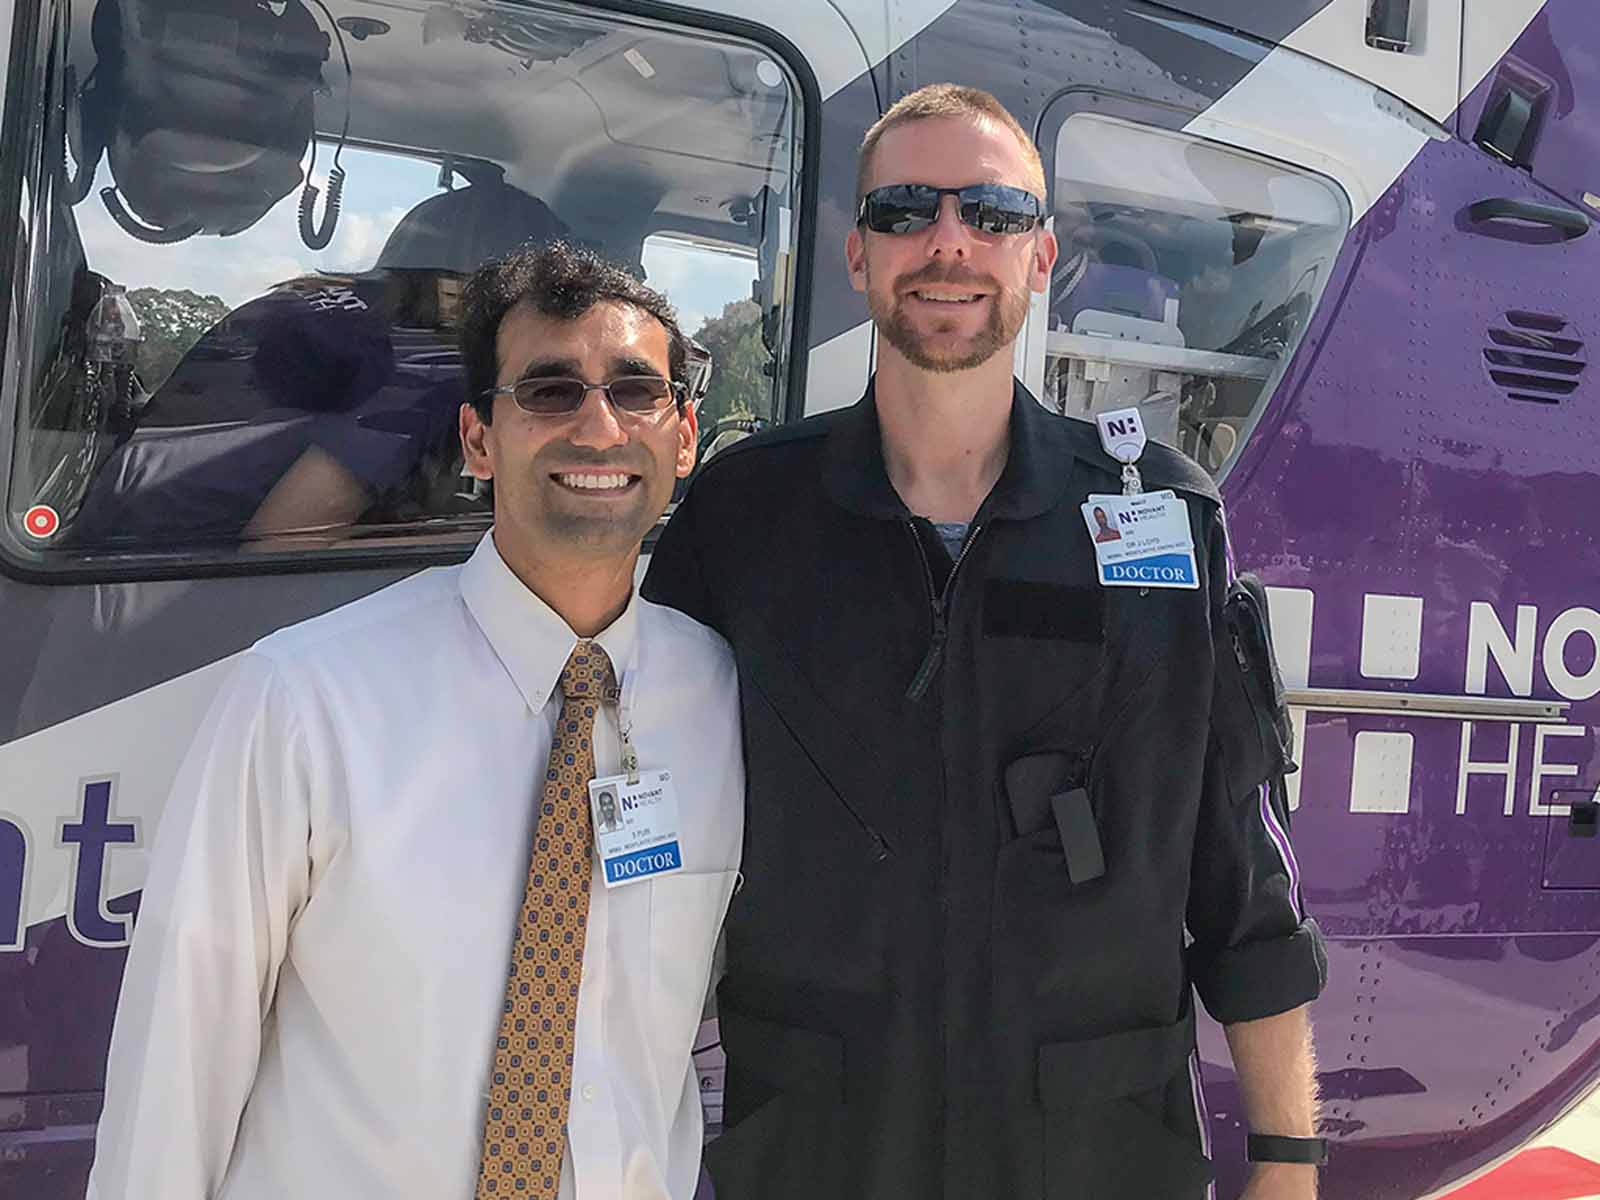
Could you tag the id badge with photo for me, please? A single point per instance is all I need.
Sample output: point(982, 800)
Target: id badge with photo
point(1142, 540)
point(635, 827)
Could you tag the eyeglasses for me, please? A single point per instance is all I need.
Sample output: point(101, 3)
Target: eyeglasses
point(992, 208)
point(636, 395)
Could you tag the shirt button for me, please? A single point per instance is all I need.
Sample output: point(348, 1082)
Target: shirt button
point(588, 1091)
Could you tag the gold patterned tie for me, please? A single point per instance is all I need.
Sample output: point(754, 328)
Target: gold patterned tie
point(524, 1131)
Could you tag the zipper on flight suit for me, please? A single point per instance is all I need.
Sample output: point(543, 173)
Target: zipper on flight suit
point(940, 602)
point(941, 611)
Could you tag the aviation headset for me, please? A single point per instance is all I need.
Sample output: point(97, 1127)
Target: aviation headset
point(204, 109)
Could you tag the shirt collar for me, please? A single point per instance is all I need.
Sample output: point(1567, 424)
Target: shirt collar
point(1038, 466)
point(527, 635)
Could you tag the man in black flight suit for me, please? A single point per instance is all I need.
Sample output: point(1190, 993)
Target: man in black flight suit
point(1001, 818)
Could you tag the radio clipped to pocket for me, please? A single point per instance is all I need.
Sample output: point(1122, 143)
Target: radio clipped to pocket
point(1048, 790)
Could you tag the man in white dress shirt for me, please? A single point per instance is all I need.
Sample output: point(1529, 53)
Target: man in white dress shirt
point(355, 882)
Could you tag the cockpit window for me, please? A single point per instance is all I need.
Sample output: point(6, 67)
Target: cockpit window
point(246, 227)
point(714, 291)
point(1188, 271)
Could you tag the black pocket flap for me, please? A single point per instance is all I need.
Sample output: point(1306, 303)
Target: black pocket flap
point(1118, 1064)
point(783, 1056)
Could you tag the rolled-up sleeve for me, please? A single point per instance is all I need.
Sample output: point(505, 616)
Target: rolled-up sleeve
point(228, 873)
point(1255, 952)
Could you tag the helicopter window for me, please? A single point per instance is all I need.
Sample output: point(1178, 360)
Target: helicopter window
point(246, 229)
point(718, 309)
point(1187, 274)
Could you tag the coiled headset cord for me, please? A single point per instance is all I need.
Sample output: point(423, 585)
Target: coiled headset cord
point(317, 235)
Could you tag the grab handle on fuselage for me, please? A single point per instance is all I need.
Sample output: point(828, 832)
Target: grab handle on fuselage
point(1569, 222)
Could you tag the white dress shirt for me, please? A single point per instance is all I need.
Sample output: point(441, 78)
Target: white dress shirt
point(316, 979)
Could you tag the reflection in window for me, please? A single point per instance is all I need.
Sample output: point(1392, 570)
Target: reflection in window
point(714, 290)
point(1187, 273)
point(244, 275)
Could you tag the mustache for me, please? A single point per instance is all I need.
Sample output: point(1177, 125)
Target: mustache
point(573, 459)
point(936, 272)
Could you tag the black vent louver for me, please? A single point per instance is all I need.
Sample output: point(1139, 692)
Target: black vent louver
point(1535, 356)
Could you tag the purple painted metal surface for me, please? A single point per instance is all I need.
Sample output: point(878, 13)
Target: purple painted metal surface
point(1571, 858)
point(57, 998)
point(1521, 1046)
point(1392, 464)
point(1554, 62)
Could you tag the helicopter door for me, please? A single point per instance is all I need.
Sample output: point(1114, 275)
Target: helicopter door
point(1188, 272)
point(1197, 254)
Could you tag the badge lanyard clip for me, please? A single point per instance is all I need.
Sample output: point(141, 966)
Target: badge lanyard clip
point(1123, 437)
point(623, 699)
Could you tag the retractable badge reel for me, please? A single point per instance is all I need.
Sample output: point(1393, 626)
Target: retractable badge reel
point(1122, 435)
point(1141, 539)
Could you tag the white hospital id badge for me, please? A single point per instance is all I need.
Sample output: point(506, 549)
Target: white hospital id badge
point(635, 827)
point(1142, 540)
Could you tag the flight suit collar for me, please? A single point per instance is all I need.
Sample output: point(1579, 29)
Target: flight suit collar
point(1038, 467)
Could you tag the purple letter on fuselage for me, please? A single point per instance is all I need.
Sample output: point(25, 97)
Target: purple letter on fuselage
point(92, 833)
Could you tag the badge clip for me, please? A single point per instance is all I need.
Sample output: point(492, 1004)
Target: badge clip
point(630, 757)
point(1123, 438)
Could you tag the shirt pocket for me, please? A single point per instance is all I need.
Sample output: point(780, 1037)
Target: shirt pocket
point(686, 911)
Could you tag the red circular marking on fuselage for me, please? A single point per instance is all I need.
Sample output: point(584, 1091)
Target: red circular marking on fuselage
point(41, 521)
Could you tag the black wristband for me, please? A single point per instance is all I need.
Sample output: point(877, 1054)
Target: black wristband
point(1271, 1148)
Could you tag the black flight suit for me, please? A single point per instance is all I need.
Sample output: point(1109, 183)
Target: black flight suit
point(934, 986)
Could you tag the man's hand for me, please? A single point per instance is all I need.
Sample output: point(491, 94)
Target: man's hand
point(1281, 1181)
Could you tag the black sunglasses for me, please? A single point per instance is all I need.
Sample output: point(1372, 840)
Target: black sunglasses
point(992, 208)
point(555, 396)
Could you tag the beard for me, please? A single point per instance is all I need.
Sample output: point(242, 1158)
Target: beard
point(1008, 312)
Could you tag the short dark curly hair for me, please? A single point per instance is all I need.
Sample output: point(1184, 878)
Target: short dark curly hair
point(557, 279)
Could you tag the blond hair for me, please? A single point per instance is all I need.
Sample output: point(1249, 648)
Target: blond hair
point(948, 100)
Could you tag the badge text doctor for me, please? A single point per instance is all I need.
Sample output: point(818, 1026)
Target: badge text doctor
point(635, 815)
point(1141, 539)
